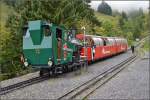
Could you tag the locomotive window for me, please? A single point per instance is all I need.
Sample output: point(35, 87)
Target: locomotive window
point(58, 33)
point(25, 31)
point(47, 31)
point(69, 37)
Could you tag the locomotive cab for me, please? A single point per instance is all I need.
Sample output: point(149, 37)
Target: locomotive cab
point(37, 44)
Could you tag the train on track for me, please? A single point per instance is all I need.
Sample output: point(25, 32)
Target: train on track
point(55, 49)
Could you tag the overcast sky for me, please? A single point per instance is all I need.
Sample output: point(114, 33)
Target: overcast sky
point(123, 5)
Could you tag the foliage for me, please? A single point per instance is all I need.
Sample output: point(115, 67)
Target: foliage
point(8, 55)
point(66, 12)
point(71, 13)
point(137, 24)
point(115, 13)
point(123, 25)
point(122, 19)
point(10, 2)
point(124, 16)
point(146, 45)
point(5, 10)
point(109, 25)
point(9, 52)
point(134, 13)
point(104, 8)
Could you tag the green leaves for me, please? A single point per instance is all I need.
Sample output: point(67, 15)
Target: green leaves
point(66, 10)
point(71, 13)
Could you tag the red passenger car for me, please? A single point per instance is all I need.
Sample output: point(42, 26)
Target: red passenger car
point(98, 47)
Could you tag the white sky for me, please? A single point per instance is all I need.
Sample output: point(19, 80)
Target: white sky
point(123, 5)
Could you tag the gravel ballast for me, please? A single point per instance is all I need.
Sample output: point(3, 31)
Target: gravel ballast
point(55, 87)
point(131, 83)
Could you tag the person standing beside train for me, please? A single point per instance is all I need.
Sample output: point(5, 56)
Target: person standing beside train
point(132, 48)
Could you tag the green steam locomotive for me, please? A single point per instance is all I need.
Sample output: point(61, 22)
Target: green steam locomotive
point(49, 47)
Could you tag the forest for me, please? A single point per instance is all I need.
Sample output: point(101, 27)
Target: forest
point(14, 14)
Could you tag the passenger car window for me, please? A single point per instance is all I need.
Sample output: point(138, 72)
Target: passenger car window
point(101, 42)
point(104, 42)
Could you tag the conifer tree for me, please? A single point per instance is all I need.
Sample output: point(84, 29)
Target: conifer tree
point(104, 8)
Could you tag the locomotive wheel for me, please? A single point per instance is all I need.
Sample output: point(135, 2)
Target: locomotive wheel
point(54, 73)
point(65, 69)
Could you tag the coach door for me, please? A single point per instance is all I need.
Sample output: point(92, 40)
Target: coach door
point(58, 44)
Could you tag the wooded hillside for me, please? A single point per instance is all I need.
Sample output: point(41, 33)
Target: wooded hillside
point(71, 14)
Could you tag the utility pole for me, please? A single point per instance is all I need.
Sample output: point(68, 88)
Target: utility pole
point(149, 24)
point(84, 40)
point(85, 50)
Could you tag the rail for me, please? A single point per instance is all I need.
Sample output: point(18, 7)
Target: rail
point(78, 90)
point(85, 86)
point(22, 84)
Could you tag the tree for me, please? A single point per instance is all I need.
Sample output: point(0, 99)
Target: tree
point(104, 8)
point(124, 16)
point(115, 13)
point(60, 12)
point(135, 13)
point(66, 12)
point(121, 22)
point(122, 19)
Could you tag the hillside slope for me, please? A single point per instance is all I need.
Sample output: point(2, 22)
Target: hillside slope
point(109, 25)
point(103, 17)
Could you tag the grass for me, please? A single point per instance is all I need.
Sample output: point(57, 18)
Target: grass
point(6, 76)
point(146, 45)
point(103, 17)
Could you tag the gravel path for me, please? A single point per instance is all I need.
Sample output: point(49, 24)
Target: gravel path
point(55, 87)
point(131, 83)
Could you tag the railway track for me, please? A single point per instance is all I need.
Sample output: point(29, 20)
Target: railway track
point(13, 87)
point(84, 90)
point(73, 93)
point(77, 91)
point(22, 84)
